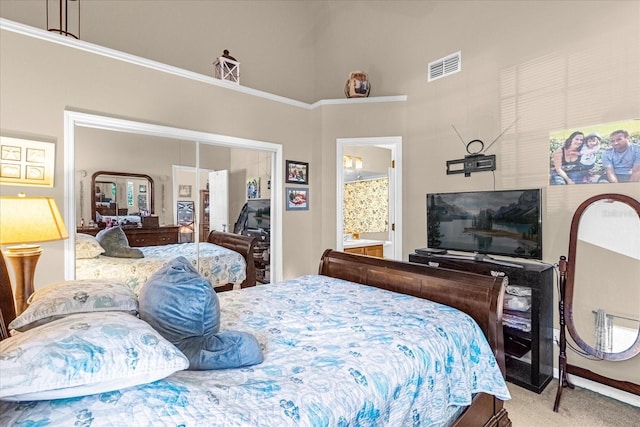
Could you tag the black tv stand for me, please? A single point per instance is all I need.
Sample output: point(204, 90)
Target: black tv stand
point(528, 354)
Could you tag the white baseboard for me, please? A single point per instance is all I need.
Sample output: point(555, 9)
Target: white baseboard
point(614, 393)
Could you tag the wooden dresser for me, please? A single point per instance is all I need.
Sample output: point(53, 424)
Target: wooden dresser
point(144, 236)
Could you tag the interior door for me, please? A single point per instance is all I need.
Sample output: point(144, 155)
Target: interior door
point(219, 200)
point(394, 145)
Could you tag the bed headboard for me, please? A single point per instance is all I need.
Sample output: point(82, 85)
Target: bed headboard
point(241, 244)
point(7, 304)
point(479, 296)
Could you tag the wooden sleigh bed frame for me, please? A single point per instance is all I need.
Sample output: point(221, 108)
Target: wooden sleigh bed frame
point(244, 245)
point(479, 296)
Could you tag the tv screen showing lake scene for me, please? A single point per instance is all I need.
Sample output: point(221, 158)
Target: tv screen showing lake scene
point(486, 222)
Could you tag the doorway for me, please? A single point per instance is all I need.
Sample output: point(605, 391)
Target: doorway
point(393, 242)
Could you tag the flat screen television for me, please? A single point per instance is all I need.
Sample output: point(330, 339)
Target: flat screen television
point(254, 218)
point(486, 222)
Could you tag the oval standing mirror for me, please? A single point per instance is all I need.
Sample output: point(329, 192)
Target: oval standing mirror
point(602, 299)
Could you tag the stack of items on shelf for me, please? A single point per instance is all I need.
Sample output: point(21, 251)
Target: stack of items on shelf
point(517, 305)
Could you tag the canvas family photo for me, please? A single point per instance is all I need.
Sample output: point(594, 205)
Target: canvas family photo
point(600, 154)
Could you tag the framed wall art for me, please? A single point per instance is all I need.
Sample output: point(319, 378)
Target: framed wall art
point(185, 211)
point(184, 190)
point(26, 162)
point(253, 188)
point(297, 172)
point(297, 199)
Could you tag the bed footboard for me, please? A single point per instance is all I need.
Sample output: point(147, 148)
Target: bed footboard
point(243, 245)
point(479, 296)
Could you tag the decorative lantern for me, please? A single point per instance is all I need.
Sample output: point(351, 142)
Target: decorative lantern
point(227, 68)
point(65, 13)
point(358, 85)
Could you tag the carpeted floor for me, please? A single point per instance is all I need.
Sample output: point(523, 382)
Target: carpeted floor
point(578, 407)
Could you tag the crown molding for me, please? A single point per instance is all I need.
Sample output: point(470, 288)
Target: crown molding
point(51, 37)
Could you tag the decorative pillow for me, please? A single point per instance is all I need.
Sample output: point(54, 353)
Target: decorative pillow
point(116, 245)
point(59, 299)
point(83, 354)
point(87, 246)
point(183, 307)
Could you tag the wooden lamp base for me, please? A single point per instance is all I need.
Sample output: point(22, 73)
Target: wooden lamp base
point(23, 260)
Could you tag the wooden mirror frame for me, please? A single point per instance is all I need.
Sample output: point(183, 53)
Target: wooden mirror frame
point(569, 286)
point(123, 174)
point(567, 267)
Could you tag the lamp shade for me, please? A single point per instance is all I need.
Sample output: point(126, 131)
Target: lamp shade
point(30, 220)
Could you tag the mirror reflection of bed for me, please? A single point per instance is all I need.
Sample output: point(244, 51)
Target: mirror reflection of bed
point(125, 201)
point(226, 259)
point(157, 157)
point(353, 359)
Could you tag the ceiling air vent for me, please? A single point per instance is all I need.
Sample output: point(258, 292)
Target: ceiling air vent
point(444, 66)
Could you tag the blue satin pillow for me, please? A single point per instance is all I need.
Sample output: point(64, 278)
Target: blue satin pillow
point(183, 307)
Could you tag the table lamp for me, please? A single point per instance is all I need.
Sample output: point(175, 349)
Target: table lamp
point(25, 221)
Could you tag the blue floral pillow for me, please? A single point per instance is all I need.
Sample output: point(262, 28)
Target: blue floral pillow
point(83, 354)
point(59, 299)
point(182, 306)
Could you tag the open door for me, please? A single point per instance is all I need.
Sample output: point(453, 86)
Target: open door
point(219, 200)
point(393, 243)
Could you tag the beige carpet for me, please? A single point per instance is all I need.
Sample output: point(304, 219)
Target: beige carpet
point(578, 407)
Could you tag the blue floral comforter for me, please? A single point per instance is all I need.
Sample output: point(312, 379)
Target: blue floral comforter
point(218, 264)
point(336, 354)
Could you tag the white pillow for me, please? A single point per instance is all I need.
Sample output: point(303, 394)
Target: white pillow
point(83, 354)
point(59, 299)
point(87, 246)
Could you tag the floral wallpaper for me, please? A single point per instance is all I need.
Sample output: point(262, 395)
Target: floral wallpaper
point(366, 206)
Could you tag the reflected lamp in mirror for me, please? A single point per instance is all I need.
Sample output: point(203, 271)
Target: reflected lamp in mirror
point(25, 222)
point(186, 233)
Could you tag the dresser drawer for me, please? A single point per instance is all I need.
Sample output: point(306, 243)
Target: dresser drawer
point(152, 236)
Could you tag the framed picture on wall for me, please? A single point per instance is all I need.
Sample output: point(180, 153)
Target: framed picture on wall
point(185, 211)
point(297, 172)
point(253, 188)
point(297, 199)
point(184, 190)
point(26, 162)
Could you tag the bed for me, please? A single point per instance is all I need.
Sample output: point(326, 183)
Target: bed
point(328, 344)
point(226, 260)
